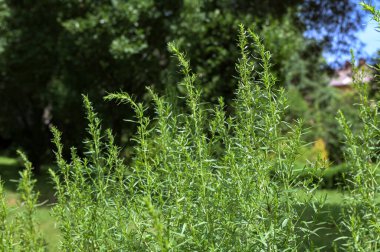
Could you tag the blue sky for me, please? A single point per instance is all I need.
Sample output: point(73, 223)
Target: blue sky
point(370, 38)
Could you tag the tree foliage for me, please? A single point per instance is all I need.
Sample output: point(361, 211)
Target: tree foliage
point(52, 51)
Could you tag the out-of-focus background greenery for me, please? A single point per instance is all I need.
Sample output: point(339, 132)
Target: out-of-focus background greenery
point(52, 51)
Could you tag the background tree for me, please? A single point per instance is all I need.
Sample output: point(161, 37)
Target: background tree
point(55, 50)
point(28, 64)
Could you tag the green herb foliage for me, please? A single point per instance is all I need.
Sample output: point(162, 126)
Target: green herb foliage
point(179, 193)
point(361, 218)
point(201, 179)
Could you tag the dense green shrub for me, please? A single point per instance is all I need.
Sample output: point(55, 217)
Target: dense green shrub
point(200, 179)
point(178, 193)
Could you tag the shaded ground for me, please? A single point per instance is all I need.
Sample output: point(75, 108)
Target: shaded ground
point(326, 230)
